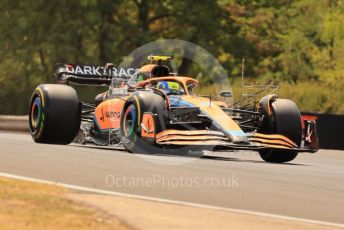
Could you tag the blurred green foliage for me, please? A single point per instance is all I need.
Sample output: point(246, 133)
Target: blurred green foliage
point(296, 43)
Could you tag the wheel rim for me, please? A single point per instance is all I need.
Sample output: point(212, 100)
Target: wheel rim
point(129, 121)
point(36, 114)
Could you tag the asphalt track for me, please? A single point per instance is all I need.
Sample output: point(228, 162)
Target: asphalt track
point(310, 187)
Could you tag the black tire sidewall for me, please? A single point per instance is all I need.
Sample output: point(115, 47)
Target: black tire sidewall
point(286, 119)
point(61, 114)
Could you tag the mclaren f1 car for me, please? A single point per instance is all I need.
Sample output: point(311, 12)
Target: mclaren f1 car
point(152, 109)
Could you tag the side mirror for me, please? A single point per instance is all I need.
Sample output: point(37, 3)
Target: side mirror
point(226, 94)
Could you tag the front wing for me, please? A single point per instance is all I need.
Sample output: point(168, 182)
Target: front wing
point(257, 141)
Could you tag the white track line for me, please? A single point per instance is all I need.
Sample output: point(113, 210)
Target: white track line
point(168, 201)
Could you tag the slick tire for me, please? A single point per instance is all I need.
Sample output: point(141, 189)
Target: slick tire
point(54, 114)
point(286, 121)
point(131, 118)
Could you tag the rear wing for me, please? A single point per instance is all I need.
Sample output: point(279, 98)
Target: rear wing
point(91, 75)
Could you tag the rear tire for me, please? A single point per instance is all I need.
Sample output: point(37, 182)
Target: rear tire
point(54, 116)
point(286, 120)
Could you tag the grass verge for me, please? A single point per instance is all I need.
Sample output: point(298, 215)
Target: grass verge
point(27, 205)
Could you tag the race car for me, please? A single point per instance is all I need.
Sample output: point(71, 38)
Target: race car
point(152, 109)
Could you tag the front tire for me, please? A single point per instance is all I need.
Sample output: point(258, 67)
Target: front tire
point(54, 115)
point(131, 118)
point(285, 120)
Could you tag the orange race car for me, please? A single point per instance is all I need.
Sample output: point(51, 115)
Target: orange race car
point(153, 110)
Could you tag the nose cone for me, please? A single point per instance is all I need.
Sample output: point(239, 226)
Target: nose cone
point(221, 119)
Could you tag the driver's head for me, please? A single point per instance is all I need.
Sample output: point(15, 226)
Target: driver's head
point(168, 86)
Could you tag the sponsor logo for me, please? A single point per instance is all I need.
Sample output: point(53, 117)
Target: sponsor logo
point(100, 71)
point(308, 137)
point(110, 115)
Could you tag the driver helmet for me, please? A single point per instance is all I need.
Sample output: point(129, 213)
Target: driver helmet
point(168, 86)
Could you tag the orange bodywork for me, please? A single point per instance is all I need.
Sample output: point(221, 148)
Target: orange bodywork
point(171, 132)
point(276, 137)
point(214, 111)
point(190, 137)
point(262, 141)
point(148, 125)
point(272, 140)
point(108, 114)
point(147, 68)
